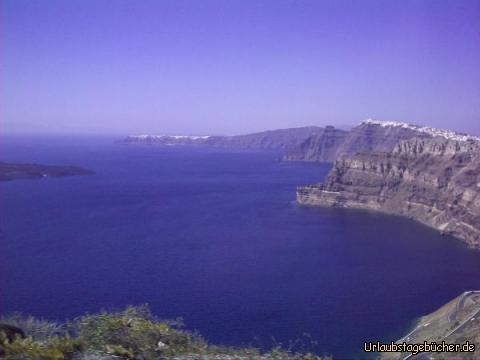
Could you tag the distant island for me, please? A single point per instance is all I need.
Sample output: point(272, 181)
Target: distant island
point(281, 139)
point(9, 171)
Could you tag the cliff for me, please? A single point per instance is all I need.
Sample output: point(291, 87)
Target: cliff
point(311, 143)
point(433, 179)
point(454, 323)
point(370, 135)
point(282, 139)
point(321, 147)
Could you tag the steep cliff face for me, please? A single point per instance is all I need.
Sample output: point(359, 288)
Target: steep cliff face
point(322, 147)
point(370, 135)
point(373, 135)
point(434, 180)
point(282, 139)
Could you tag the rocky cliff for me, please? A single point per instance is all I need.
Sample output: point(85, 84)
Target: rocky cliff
point(282, 139)
point(311, 143)
point(370, 135)
point(454, 323)
point(321, 147)
point(433, 178)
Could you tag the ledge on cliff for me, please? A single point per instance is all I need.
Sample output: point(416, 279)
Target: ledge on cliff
point(433, 180)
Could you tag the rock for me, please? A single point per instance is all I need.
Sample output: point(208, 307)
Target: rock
point(162, 345)
point(368, 136)
point(11, 332)
point(430, 179)
point(322, 147)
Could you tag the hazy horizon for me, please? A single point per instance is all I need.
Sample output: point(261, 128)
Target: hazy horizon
point(235, 67)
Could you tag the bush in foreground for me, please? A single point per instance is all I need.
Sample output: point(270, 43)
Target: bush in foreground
point(131, 334)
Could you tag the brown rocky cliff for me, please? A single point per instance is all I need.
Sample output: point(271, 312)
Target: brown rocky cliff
point(332, 143)
point(433, 180)
point(321, 147)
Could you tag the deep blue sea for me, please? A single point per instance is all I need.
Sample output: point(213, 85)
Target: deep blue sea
point(215, 236)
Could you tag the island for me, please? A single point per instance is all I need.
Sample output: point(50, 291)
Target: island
point(280, 139)
point(10, 171)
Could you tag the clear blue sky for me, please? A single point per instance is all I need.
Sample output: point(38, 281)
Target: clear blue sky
point(236, 66)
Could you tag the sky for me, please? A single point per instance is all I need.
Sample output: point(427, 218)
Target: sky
point(236, 66)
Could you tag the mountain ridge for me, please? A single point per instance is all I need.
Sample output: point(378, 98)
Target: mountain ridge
point(280, 139)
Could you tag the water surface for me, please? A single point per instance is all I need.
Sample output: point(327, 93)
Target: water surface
point(215, 236)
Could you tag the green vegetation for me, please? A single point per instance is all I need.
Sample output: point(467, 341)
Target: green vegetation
point(131, 334)
point(54, 348)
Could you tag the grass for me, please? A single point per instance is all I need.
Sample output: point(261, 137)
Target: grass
point(131, 334)
point(37, 329)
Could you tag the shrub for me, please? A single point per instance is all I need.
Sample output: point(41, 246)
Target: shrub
point(133, 333)
point(94, 355)
point(38, 329)
point(55, 348)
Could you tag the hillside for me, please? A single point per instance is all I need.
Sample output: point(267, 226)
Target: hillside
point(312, 143)
point(282, 139)
point(369, 135)
point(132, 334)
point(433, 180)
point(321, 147)
point(429, 175)
point(455, 323)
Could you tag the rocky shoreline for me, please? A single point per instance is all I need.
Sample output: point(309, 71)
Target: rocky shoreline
point(432, 177)
point(435, 181)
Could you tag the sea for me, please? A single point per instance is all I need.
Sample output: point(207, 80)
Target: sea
point(214, 236)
